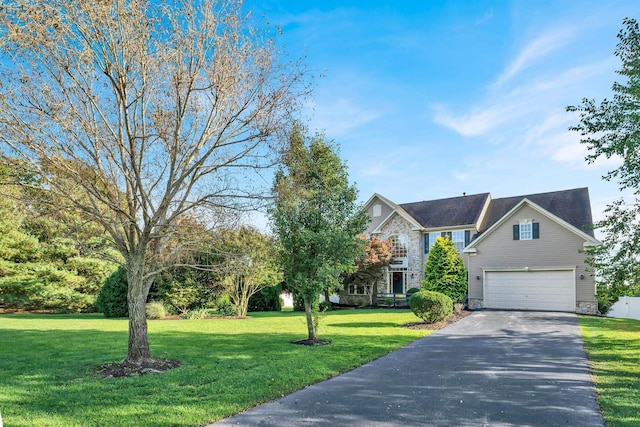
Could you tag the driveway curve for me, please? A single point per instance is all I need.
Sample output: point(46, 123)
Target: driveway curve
point(492, 368)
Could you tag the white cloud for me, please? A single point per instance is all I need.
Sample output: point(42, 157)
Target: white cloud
point(478, 122)
point(534, 51)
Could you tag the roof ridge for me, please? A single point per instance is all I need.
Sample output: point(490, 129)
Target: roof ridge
point(445, 198)
point(542, 194)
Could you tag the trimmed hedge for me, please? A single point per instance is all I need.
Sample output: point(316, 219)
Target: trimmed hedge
point(431, 306)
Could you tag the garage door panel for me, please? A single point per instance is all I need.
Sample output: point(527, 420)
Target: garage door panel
point(548, 290)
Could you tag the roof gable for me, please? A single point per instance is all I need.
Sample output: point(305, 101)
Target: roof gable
point(589, 239)
point(572, 206)
point(396, 209)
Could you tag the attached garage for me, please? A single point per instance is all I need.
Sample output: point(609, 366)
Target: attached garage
point(544, 290)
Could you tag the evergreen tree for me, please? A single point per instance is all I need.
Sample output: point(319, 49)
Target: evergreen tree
point(444, 271)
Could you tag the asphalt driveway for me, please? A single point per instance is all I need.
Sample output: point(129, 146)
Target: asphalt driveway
point(493, 368)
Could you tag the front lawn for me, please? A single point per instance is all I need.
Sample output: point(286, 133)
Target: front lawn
point(613, 347)
point(47, 365)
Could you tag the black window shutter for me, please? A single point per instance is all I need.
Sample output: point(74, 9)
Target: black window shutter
point(516, 232)
point(426, 243)
point(449, 235)
point(467, 237)
point(536, 230)
point(443, 234)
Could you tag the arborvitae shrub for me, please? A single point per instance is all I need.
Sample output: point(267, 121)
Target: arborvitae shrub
point(444, 271)
point(112, 300)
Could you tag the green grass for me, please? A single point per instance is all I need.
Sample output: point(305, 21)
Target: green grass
point(47, 365)
point(613, 347)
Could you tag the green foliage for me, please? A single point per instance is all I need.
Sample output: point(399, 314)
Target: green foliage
point(226, 307)
point(112, 300)
point(444, 271)
point(324, 306)
point(249, 264)
point(611, 129)
point(431, 306)
point(183, 289)
point(266, 299)
point(182, 295)
point(41, 286)
point(197, 313)
point(316, 219)
point(41, 268)
point(155, 310)
point(412, 291)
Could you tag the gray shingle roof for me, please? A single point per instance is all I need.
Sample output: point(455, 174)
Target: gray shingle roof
point(573, 206)
point(454, 211)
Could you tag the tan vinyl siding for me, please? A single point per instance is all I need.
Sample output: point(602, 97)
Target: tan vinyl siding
point(385, 212)
point(556, 247)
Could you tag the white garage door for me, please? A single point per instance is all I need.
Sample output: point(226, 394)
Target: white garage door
point(530, 290)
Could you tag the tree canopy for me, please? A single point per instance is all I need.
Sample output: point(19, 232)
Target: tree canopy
point(611, 129)
point(149, 110)
point(316, 219)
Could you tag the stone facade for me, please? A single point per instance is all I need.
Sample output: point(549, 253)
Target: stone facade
point(415, 269)
point(474, 304)
point(583, 307)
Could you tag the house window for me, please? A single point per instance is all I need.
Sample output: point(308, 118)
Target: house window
point(526, 229)
point(399, 245)
point(460, 239)
point(359, 289)
point(377, 211)
point(430, 240)
point(457, 237)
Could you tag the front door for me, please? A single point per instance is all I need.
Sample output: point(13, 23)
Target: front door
point(398, 282)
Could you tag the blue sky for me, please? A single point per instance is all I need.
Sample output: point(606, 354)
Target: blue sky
point(430, 99)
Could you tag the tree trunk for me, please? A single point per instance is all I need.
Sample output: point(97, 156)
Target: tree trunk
point(309, 313)
point(138, 351)
point(326, 295)
point(374, 293)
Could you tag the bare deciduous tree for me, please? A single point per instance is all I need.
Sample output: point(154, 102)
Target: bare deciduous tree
point(152, 109)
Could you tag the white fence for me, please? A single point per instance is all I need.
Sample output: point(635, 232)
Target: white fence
point(626, 307)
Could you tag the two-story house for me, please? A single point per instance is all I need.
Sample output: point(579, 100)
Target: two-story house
point(522, 252)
